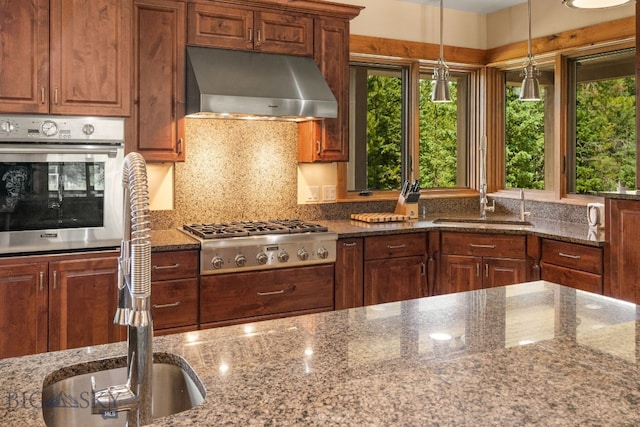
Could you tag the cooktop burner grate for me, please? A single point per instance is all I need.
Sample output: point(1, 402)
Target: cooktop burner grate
point(252, 228)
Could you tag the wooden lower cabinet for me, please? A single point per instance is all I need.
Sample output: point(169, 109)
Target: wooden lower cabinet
point(395, 268)
point(472, 261)
point(24, 299)
point(227, 299)
point(622, 252)
point(571, 264)
point(349, 273)
point(82, 302)
point(174, 291)
point(55, 302)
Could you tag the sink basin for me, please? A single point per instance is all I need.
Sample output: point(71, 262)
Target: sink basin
point(67, 402)
point(488, 223)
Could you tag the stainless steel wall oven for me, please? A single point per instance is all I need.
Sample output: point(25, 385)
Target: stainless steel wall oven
point(60, 183)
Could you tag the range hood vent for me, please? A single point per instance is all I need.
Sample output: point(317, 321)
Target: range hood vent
point(240, 84)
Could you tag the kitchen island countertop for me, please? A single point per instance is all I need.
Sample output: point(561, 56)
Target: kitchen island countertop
point(528, 354)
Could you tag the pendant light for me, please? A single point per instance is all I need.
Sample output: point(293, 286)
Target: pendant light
point(441, 91)
point(595, 4)
point(530, 90)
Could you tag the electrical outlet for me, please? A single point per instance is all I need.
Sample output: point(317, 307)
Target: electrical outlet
point(328, 193)
point(313, 193)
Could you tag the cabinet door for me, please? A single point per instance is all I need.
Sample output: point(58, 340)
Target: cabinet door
point(501, 271)
point(23, 312)
point(24, 55)
point(220, 26)
point(157, 126)
point(82, 303)
point(394, 279)
point(577, 279)
point(459, 273)
point(349, 274)
point(283, 33)
point(622, 252)
point(174, 303)
point(327, 140)
point(89, 57)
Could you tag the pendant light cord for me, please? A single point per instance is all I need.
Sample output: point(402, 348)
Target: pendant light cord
point(441, 28)
point(529, 14)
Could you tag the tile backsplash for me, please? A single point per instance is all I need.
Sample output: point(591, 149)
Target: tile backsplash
point(247, 170)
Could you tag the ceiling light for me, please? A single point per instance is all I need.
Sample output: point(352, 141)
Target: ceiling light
point(441, 91)
point(530, 90)
point(595, 4)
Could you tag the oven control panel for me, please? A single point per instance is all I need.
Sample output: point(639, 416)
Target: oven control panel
point(26, 128)
point(237, 254)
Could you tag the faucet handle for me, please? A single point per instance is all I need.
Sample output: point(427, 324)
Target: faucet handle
point(491, 208)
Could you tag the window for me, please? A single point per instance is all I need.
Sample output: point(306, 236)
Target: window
point(601, 148)
point(528, 132)
point(385, 149)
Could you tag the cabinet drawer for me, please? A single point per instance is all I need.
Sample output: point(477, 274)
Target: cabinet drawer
point(478, 244)
point(174, 265)
point(174, 303)
point(569, 277)
point(238, 295)
point(395, 245)
point(571, 255)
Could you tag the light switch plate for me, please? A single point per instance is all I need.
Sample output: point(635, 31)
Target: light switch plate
point(328, 193)
point(313, 193)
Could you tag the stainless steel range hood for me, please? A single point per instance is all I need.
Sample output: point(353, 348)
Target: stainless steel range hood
point(239, 84)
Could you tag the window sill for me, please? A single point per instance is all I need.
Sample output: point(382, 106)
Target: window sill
point(436, 193)
point(548, 196)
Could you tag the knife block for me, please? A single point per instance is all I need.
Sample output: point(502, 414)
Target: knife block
point(407, 209)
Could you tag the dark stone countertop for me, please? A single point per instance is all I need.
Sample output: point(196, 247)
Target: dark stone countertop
point(534, 354)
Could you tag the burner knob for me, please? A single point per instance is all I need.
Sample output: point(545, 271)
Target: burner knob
point(323, 253)
point(262, 258)
point(283, 256)
point(241, 260)
point(303, 255)
point(217, 262)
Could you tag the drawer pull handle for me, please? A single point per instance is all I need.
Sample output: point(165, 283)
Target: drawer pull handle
point(173, 304)
point(165, 267)
point(482, 246)
point(264, 294)
point(349, 245)
point(562, 254)
point(396, 246)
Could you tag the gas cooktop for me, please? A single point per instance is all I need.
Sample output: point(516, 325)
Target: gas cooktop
point(259, 245)
point(252, 228)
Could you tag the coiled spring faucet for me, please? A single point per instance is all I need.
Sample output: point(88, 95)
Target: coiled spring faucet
point(134, 302)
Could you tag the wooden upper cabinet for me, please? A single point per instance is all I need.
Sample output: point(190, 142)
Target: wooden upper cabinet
point(328, 140)
point(156, 127)
point(243, 28)
point(67, 57)
point(24, 53)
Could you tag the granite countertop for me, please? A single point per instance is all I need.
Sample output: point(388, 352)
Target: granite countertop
point(528, 354)
point(560, 230)
point(624, 195)
point(174, 239)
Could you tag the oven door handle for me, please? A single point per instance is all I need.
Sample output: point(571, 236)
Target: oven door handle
point(110, 150)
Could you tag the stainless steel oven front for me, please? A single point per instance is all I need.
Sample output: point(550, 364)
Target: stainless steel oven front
point(60, 183)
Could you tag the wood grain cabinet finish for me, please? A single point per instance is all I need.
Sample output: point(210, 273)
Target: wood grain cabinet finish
point(174, 291)
point(328, 140)
point(156, 126)
point(472, 261)
point(622, 251)
point(394, 268)
point(243, 297)
point(349, 273)
point(82, 302)
point(572, 264)
point(66, 57)
point(24, 301)
point(245, 28)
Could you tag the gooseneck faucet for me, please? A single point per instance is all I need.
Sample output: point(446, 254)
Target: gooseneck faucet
point(134, 302)
point(484, 203)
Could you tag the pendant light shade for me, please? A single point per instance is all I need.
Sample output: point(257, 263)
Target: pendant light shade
point(595, 4)
point(441, 91)
point(530, 90)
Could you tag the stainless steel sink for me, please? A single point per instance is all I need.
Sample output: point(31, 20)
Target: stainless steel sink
point(67, 402)
point(484, 223)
